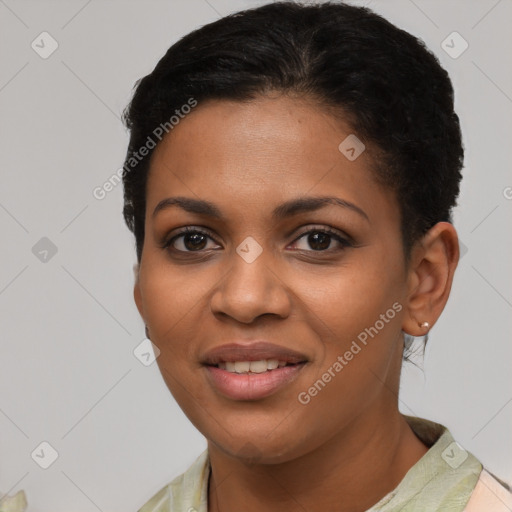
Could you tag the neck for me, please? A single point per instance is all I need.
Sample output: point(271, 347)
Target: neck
point(349, 473)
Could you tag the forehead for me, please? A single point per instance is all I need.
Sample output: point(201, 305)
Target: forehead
point(262, 152)
point(272, 132)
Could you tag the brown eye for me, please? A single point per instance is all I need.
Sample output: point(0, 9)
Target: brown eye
point(189, 240)
point(320, 240)
point(194, 241)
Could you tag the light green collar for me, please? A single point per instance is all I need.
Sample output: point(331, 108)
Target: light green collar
point(443, 479)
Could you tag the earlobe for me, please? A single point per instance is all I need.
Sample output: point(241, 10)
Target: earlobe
point(433, 263)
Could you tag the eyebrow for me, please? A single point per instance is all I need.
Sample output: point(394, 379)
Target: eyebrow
point(287, 209)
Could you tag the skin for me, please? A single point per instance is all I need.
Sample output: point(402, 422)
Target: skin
point(349, 445)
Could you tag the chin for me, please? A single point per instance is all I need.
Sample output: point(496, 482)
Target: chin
point(264, 449)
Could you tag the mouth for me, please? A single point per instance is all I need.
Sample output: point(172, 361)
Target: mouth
point(258, 352)
point(248, 367)
point(252, 371)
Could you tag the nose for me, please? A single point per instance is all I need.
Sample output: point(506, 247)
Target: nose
point(250, 290)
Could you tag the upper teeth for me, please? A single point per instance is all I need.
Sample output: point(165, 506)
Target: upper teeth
point(252, 366)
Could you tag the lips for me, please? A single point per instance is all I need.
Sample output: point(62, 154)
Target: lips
point(255, 351)
point(252, 371)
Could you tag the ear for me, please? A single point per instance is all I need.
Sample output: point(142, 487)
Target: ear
point(137, 295)
point(432, 266)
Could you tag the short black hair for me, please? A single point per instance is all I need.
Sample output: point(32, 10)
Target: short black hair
point(384, 81)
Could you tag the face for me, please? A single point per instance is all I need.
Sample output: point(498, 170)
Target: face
point(264, 260)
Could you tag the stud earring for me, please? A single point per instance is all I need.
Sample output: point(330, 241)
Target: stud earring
point(424, 325)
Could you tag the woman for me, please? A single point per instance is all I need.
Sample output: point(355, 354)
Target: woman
point(289, 181)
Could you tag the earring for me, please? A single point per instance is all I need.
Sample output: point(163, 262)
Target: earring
point(424, 325)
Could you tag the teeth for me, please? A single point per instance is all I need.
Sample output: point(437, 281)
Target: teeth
point(251, 366)
point(242, 366)
point(258, 366)
point(272, 364)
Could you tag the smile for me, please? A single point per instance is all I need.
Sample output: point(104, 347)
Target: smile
point(261, 366)
point(238, 381)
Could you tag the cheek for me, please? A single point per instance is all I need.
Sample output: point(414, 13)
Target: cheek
point(352, 298)
point(356, 370)
point(170, 297)
point(361, 310)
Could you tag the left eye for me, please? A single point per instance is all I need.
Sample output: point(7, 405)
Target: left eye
point(320, 240)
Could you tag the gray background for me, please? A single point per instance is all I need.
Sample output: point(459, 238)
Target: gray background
point(69, 327)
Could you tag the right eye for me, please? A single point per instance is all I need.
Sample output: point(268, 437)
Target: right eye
point(188, 240)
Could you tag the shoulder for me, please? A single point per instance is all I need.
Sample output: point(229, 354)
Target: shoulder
point(186, 492)
point(489, 495)
point(159, 502)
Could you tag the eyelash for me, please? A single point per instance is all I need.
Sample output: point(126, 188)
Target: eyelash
point(344, 242)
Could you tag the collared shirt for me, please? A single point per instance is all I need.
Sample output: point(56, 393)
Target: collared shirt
point(443, 479)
